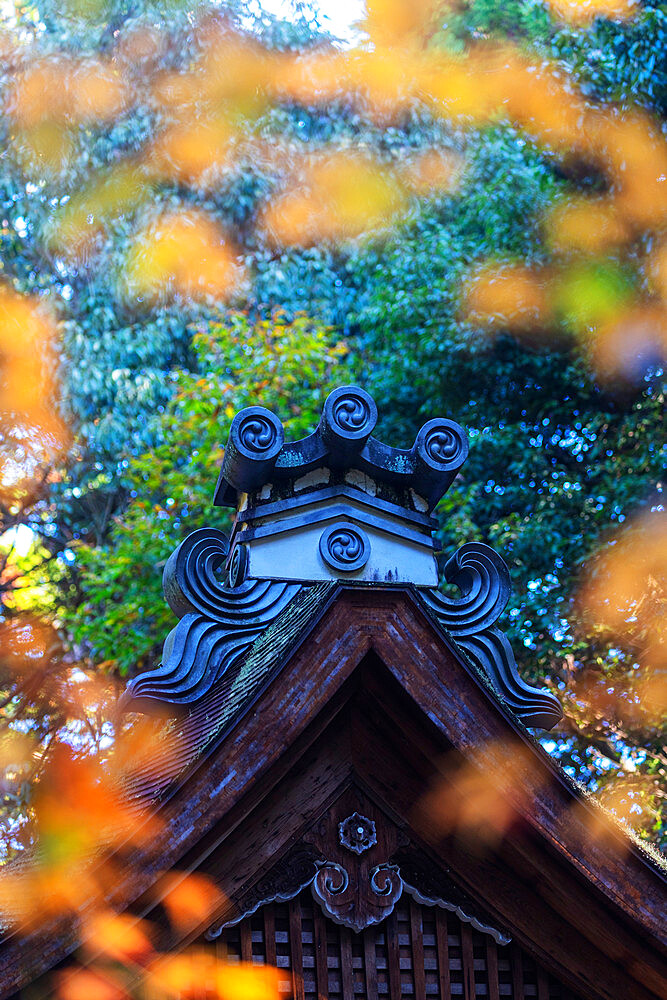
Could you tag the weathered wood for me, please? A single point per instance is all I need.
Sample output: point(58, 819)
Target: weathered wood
point(296, 949)
point(347, 978)
point(321, 950)
point(393, 957)
point(417, 942)
point(270, 934)
point(334, 715)
point(468, 962)
point(517, 973)
point(492, 970)
point(542, 984)
point(370, 963)
point(443, 953)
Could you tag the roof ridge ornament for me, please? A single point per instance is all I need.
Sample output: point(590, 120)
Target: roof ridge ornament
point(338, 504)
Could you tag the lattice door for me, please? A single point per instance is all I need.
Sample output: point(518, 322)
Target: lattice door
point(418, 951)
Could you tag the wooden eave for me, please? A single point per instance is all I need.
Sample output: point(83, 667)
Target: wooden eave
point(376, 695)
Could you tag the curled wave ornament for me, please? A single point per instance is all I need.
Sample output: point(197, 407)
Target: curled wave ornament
point(345, 547)
point(491, 650)
point(442, 444)
point(484, 581)
point(218, 626)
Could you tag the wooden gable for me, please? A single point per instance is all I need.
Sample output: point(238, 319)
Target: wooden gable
point(372, 711)
point(349, 762)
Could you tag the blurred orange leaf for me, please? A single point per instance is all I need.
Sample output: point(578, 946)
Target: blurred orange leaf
point(190, 900)
point(181, 254)
point(341, 196)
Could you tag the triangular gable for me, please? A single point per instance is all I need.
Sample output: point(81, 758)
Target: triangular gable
point(375, 696)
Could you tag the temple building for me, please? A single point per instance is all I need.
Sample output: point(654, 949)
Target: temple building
point(356, 763)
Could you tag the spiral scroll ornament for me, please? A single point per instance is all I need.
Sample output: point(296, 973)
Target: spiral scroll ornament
point(345, 547)
point(331, 880)
point(258, 433)
point(238, 566)
point(442, 445)
point(386, 881)
point(350, 413)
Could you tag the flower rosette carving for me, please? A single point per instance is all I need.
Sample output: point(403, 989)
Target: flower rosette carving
point(345, 547)
point(357, 833)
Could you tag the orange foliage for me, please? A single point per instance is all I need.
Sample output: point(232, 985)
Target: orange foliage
point(341, 195)
point(625, 344)
point(120, 937)
point(625, 587)
point(585, 11)
point(181, 255)
point(585, 225)
point(507, 296)
point(182, 976)
point(89, 984)
point(189, 900)
point(480, 801)
point(60, 88)
point(194, 154)
point(32, 431)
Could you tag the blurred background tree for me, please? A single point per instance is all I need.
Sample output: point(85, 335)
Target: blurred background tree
point(100, 206)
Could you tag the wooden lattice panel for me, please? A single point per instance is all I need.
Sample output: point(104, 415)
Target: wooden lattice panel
point(418, 951)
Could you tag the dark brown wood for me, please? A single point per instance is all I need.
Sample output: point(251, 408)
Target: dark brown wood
point(346, 976)
point(517, 973)
point(468, 962)
point(393, 958)
point(492, 969)
point(246, 941)
point(333, 714)
point(417, 942)
point(542, 984)
point(296, 948)
point(270, 934)
point(321, 951)
point(370, 963)
point(443, 952)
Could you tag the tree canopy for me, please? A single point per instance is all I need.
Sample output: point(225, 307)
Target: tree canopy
point(220, 211)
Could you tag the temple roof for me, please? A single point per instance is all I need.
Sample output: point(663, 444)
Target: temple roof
point(337, 506)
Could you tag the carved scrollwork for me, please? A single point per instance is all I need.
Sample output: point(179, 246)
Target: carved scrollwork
point(368, 900)
point(331, 880)
point(484, 581)
point(345, 547)
point(294, 872)
point(386, 881)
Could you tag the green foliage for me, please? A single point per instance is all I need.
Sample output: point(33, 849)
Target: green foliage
point(287, 366)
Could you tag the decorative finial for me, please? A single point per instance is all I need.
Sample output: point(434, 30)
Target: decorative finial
point(339, 503)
